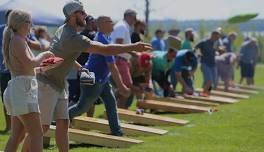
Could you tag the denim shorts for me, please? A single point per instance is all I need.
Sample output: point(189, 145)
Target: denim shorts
point(21, 96)
point(209, 73)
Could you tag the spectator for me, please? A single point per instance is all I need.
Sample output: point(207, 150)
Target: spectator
point(189, 39)
point(22, 102)
point(229, 40)
point(4, 74)
point(158, 42)
point(174, 32)
point(42, 36)
point(139, 29)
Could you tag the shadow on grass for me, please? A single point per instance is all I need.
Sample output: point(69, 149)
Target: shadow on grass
point(72, 146)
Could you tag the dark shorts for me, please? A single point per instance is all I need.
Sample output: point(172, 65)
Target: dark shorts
point(247, 70)
point(4, 78)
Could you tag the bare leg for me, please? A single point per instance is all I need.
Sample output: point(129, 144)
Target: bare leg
point(7, 120)
point(17, 135)
point(35, 133)
point(207, 86)
point(62, 138)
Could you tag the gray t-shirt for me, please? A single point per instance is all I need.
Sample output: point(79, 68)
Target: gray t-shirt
point(67, 44)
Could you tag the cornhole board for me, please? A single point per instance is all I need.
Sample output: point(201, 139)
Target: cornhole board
point(148, 119)
point(237, 90)
point(88, 123)
point(94, 138)
point(214, 99)
point(172, 107)
point(255, 88)
point(226, 94)
point(182, 100)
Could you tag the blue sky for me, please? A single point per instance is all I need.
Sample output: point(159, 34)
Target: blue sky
point(163, 9)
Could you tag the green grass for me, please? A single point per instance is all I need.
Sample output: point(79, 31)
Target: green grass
point(235, 128)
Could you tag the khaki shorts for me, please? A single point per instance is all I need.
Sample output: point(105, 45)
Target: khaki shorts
point(21, 96)
point(53, 104)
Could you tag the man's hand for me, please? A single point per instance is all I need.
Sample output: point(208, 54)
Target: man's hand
point(188, 90)
point(142, 47)
point(124, 91)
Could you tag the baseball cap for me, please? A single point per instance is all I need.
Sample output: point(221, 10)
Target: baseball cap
point(130, 11)
point(71, 7)
point(145, 60)
point(174, 42)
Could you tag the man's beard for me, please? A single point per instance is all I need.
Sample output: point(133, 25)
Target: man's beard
point(80, 22)
point(191, 39)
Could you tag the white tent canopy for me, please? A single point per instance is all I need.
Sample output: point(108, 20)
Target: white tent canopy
point(44, 12)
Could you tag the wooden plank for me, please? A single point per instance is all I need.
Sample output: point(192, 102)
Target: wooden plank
point(246, 87)
point(173, 107)
point(98, 139)
point(214, 99)
point(88, 123)
point(148, 119)
point(237, 90)
point(226, 94)
point(185, 101)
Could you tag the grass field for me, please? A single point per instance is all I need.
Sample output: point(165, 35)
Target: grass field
point(235, 128)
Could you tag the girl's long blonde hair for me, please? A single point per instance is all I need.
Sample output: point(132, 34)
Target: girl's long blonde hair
point(15, 20)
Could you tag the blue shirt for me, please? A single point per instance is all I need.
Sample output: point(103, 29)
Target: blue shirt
point(3, 68)
point(158, 44)
point(207, 48)
point(98, 63)
point(181, 65)
point(249, 53)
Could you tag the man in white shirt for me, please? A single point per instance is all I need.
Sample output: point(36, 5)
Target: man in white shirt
point(122, 35)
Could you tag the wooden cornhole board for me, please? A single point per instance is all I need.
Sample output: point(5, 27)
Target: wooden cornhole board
point(214, 99)
point(237, 90)
point(255, 88)
point(148, 119)
point(182, 100)
point(94, 138)
point(88, 123)
point(172, 107)
point(226, 94)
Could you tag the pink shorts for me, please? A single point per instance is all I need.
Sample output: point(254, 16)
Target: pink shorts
point(124, 70)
